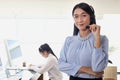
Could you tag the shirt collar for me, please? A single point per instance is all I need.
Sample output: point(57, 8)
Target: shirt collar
point(85, 38)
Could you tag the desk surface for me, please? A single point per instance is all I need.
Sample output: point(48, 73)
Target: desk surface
point(25, 73)
point(17, 68)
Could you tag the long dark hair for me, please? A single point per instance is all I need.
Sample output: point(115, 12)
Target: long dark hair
point(46, 47)
point(87, 8)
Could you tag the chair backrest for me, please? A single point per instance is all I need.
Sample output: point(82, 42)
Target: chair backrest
point(110, 73)
point(41, 77)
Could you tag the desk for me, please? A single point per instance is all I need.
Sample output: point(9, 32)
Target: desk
point(16, 71)
point(17, 68)
point(21, 72)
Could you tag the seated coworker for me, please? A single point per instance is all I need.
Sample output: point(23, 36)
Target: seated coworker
point(51, 66)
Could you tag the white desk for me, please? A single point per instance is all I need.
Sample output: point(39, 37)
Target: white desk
point(15, 71)
point(17, 68)
point(2, 74)
point(20, 72)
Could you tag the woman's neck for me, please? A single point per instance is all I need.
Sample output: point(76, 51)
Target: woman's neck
point(84, 33)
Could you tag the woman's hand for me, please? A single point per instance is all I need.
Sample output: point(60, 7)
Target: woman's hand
point(89, 70)
point(31, 66)
point(96, 31)
point(98, 74)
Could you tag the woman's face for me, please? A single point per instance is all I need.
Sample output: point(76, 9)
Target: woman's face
point(81, 18)
point(44, 54)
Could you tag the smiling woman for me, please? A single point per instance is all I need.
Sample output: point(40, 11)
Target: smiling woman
point(84, 56)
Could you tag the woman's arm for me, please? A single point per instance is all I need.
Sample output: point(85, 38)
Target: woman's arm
point(46, 67)
point(100, 55)
point(64, 65)
point(88, 70)
point(100, 52)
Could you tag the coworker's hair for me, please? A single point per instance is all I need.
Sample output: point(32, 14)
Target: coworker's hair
point(88, 9)
point(46, 47)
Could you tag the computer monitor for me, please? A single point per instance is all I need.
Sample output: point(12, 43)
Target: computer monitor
point(14, 52)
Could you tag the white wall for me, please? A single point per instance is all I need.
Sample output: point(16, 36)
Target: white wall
point(52, 8)
point(32, 22)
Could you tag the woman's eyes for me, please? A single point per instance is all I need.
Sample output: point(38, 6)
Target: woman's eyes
point(77, 16)
point(84, 15)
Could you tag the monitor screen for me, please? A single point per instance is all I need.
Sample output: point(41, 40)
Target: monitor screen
point(14, 52)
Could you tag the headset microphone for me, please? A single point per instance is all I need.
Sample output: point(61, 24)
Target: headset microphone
point(87, 27)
